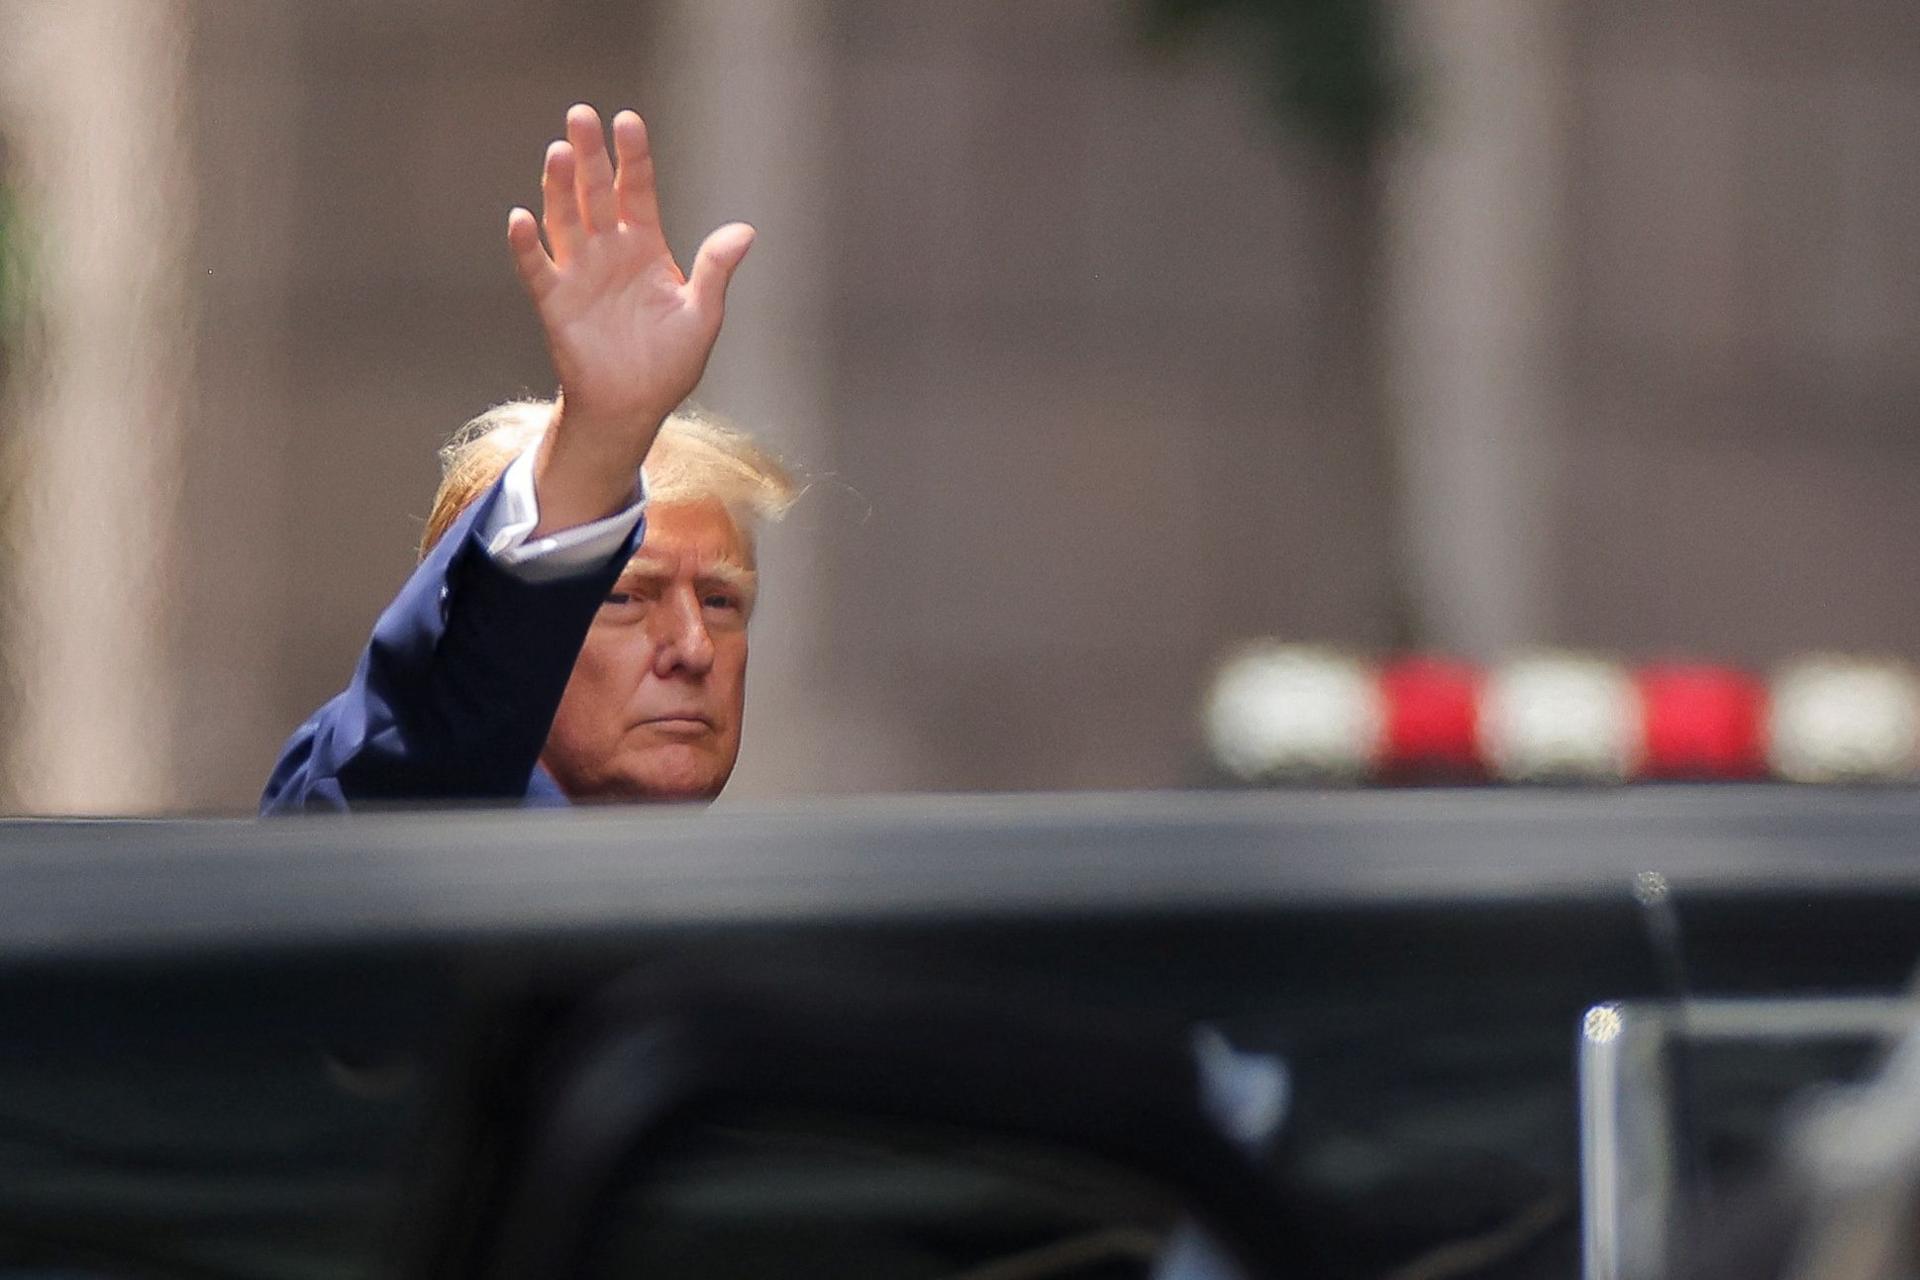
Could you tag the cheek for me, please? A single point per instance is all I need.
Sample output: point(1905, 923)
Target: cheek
point(729, 675)
point(589, 708)
point(600, 655)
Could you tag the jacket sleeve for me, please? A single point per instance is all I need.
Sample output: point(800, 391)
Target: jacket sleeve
point(457, 688)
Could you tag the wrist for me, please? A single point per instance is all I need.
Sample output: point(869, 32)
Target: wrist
point(625, 434)
point(582, 475)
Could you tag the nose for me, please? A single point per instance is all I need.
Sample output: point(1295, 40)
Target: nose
point(679, 634)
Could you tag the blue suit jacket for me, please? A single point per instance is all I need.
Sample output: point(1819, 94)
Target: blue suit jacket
point(456, 690)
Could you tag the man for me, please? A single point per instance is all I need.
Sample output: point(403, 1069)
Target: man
point(534, 656)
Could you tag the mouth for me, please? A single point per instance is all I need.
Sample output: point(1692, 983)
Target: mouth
point(684, 723)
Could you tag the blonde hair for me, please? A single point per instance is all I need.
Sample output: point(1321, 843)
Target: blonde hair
point(695, 456)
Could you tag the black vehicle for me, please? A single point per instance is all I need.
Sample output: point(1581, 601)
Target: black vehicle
point(1196, 1035)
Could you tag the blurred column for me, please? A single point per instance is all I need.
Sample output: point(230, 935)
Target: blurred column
point(744, 138)
point(1472, 260)
point(91, 97)
point(245, 562)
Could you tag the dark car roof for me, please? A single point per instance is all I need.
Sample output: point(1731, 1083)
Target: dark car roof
point(75, 888)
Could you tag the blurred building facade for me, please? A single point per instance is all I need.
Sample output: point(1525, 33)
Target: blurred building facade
point(1096, 364)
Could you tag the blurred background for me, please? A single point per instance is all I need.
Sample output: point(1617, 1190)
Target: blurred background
point(1110, 334)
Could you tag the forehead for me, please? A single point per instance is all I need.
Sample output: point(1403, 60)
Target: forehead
point(689, 536)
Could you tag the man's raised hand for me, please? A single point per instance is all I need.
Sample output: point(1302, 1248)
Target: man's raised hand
point(628, 333)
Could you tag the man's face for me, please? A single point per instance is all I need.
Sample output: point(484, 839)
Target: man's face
point(652, 711)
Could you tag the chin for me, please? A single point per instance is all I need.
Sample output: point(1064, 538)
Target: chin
point(649, 773)
point(669, 775)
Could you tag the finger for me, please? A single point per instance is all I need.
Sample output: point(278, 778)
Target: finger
point(714, 265)
point(530, 259)
point(559, 210)
point(593, 168)
point(633, 182)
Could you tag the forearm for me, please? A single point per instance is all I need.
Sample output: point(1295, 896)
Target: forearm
point(467, 717)
point(457, 688)
point(584, 469)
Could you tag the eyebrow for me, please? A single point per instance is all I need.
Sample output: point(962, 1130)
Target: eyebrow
point(725, 572)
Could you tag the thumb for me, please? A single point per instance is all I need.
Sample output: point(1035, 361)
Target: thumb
point(720, 253)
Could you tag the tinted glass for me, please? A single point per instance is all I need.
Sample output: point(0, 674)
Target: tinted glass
point(786, 1197)
point(239, 1119)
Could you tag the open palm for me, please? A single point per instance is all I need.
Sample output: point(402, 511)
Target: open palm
point(629, 334)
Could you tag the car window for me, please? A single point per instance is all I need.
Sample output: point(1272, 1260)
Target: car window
point(257, 1119)
point(783, 1196)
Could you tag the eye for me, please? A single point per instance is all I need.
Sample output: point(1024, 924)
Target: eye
point(619, 597)
point(720, 600)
